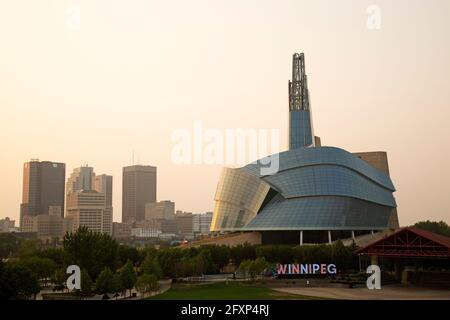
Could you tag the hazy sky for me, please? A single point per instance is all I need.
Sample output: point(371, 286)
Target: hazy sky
point(137, 70)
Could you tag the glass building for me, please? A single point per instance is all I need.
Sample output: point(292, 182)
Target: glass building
point(318, 194)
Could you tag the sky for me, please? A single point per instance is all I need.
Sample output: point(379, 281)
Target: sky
point(94, 82)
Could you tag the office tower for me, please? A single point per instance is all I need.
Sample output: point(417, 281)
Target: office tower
point(87, 208)
point(104, 184)
point(81, 178)
point(162, 210)
point(43, 187)
point(138, 188)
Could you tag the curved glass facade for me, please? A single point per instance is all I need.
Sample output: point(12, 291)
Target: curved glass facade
point(325, 155)
point(238, 198)
point(323, 180)
point(321, 188)
point(322, 213)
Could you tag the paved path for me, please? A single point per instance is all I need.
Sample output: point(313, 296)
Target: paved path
point(164, 285)
point(391, 292)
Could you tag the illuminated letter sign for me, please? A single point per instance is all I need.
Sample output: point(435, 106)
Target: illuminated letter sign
point(300, 269)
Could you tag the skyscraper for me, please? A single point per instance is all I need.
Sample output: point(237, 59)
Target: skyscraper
point(43, 188)
point(138, 188)
point(87, 208)
point(104, 184)
point(81, 178)
point(89, 200)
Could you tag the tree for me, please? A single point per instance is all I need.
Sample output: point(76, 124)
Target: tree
point(86, 284)
point(28, 248)
point(147, 283)
point(253, 268)
point(128, 276)
point(440, 227)
point(150, 265)
point(128, 253)
point(257, 267)
point(105, 282)
point(57, 255)
point(9, 245)
point(59, 279)
point(17, 282)
point(43, 268)
point(91, 251)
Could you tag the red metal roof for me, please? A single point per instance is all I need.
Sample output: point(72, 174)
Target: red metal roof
point(410, 242)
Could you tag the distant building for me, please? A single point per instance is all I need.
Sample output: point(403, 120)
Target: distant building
point(138, 188)
point(184, 222)
point(145, 233)
point(160, 210)
point(169, 227)
point(45, 226)
point(7, 225)
point(121, 230)
point(104, 184)
point(82, 178)
point(201, 223)
point(87, 208)
point(43, 187)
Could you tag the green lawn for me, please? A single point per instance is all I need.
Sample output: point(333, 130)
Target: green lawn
point(223, 291)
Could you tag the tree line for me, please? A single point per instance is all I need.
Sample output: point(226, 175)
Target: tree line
point(107, 267)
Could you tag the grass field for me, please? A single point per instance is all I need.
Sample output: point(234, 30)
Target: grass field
point(223, 291)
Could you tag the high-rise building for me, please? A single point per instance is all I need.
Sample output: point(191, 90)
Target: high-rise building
point(138, 188)
point(81, 178)
point(43, 187)
point(104, 184)
point(160, 210)
point(87, 208)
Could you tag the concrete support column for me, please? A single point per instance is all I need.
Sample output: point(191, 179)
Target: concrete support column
point(329, 236)
point(398, 270)
point(374, 260)
point(353, 235)
point(301, 237)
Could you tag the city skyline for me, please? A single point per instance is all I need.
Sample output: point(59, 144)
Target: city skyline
point(131, 97)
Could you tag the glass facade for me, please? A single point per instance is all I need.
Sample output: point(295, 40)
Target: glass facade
point(322, 213)
point(325, 155)
point(322, 180)
point(300, 132)
point(238, 198)
point(322, 188)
